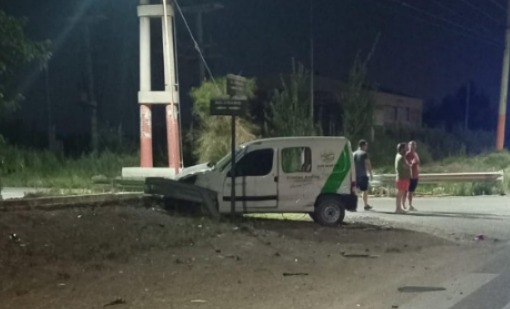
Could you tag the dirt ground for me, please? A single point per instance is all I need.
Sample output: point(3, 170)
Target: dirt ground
point(146, 258)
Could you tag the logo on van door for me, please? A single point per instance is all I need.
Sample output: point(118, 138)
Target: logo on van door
point(328, 157)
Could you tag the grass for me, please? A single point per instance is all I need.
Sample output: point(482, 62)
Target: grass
point(43, 169)
point(489, 162)
point(492, 162)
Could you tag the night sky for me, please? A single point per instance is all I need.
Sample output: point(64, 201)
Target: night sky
point(427, 48)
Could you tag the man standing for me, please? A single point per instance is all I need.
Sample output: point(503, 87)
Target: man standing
point(414, 160)
point(363, 170)
point(403, 171)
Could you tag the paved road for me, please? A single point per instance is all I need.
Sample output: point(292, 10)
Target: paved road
point(486, 215)
point(487, 287)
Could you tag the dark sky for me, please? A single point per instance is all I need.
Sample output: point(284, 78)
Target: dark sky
point(416, 54)
point(427, 48)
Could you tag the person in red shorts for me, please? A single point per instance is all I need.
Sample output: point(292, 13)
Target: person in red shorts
point(413, 159)
point(403, 171)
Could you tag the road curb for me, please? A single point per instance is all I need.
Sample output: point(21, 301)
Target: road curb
point(71, 201)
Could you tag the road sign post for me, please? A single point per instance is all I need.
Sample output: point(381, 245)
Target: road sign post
point(236, 85)
point(234, 105)
point(227, 107)
point(233, 165)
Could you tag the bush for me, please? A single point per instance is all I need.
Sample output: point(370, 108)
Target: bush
point(212, 139)
point(433, 144)
point(27, 167)
point(500, 160)
point(481, 163)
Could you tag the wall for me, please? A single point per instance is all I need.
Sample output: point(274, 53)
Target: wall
point(397, 110)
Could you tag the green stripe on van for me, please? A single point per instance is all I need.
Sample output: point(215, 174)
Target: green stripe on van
point(340, 171)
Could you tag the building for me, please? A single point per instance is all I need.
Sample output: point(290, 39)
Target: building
point(391, 109)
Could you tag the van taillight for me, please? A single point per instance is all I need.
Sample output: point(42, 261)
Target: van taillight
point(353, 187)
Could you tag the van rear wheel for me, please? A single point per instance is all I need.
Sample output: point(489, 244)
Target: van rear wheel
point(329, 211)
point(313, 216)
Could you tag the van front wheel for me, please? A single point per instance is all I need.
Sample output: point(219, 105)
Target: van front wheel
point(329, 211)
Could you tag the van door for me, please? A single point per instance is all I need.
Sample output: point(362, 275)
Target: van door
point(297, 188)
point(256, 181)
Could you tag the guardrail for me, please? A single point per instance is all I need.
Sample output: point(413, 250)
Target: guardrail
point(386, 179)
point(183, 191)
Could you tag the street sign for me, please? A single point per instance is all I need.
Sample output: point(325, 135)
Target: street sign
point(236, 85)
point(235, 105)
point(228, 107)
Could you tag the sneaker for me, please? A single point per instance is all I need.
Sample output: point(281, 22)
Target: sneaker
point(411, 208)
point(368, 207)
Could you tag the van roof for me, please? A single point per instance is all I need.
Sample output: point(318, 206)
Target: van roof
point(294, 139)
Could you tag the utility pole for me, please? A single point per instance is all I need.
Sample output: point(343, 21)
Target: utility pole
point(312, 66)
point(466, 112)
point(91, 91)
point(500, 142)
point(89, 63)
point(48, 106)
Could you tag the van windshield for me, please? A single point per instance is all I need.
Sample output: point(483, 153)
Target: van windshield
point(225, 161)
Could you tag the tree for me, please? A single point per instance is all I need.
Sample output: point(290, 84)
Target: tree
point(16, 51)
point(212, 140)
point(469, 106)
point(358, 102)
point(289, 110)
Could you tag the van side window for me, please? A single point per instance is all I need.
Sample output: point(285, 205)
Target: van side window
point(297, 160)
point(255, 163)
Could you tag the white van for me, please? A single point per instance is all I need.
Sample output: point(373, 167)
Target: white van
point(313, 175)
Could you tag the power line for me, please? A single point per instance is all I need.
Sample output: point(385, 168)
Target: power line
point(176, 57)
point(499, 5)
point(478, 37)
point(449, 9)
point(466, 35)
point(450, 29)
point(479, 10)
point(440, 18)
point(197, 46)
point(456, 13)
point(474, 33)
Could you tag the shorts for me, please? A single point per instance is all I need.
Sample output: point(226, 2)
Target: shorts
point(362, 183)
point(402, 184)
point(413, 183)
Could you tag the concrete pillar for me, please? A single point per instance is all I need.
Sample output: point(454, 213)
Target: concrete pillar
point(172, 109)
point(173, 137)
point(146, 158)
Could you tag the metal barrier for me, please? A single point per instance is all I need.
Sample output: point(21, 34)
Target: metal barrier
point(183, 191)
point(385, 179)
